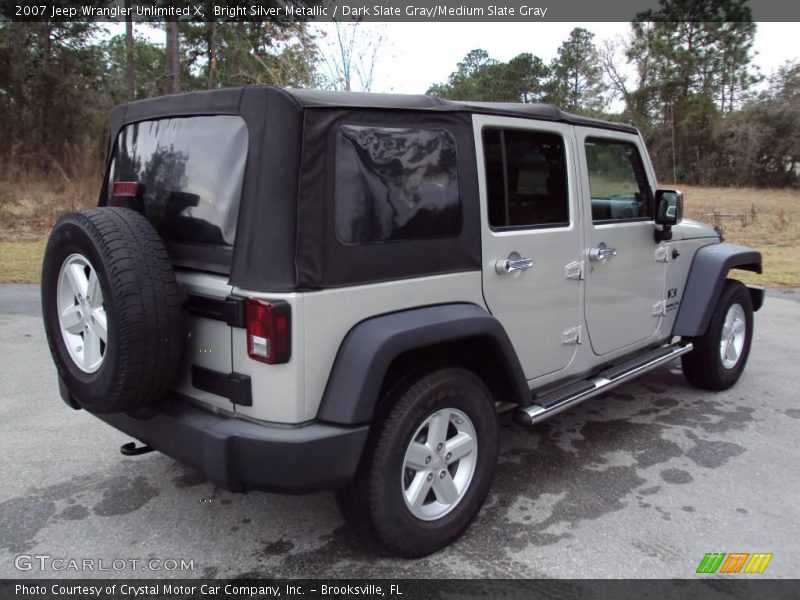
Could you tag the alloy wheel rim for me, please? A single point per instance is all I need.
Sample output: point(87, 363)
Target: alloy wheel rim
point(733, 333)
point(81, 313)
point(439, 464)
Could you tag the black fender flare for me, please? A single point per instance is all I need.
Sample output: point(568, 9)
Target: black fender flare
point(369, 348)
point(710, 267)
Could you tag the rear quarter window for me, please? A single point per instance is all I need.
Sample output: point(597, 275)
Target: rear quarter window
point(395, 184)
point(190, 171)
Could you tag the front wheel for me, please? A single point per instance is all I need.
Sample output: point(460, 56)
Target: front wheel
point(719, 356)
point(429, 465)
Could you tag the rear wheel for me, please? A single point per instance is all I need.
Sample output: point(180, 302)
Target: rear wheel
point(429, 464)
point(719, 356)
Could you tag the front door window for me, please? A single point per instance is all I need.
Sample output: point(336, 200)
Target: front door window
point(617, 181)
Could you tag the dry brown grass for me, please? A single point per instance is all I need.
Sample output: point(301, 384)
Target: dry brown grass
point(772, 226)
point(21, 261)
point(29, 210)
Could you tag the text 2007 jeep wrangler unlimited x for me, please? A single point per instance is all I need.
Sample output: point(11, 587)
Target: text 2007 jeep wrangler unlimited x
point(299, 290)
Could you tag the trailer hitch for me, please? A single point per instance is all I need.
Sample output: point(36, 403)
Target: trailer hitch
point(131, 449)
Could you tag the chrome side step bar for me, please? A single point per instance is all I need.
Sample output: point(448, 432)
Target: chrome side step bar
point(557, 401)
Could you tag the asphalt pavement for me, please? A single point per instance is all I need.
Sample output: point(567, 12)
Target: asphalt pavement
point(639, 483)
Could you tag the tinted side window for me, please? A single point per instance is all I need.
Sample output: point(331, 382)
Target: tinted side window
point(617, 181)
point(395, 184)
point(191, 172)
point(526, 178)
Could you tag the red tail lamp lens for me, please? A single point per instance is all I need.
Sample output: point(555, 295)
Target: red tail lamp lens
point(268, 331)
point(126, 189)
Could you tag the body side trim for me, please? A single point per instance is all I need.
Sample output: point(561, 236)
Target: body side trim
point(369, 348)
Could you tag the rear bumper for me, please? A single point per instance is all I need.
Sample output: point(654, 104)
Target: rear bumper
point(240, 455)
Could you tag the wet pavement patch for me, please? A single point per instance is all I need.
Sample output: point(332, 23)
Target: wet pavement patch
point(123, 495)
point(678, 476)
point(712, 454)
point(74, 512)
point(279, 546)
point(21, 519)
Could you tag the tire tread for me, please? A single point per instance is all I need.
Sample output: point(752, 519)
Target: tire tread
point(148, 319)
point(364, 503)
point(702, 367)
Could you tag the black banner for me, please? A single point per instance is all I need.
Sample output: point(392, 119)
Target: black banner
point(533, 11)
point(702, 588)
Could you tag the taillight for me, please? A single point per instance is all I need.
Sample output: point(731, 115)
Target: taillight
point(268, 331)
point(126, 189)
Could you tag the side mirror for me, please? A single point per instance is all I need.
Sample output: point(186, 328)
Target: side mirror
point(669, 207)
point(669, 212)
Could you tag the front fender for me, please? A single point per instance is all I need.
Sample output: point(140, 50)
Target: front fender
point(369, 348)
point(710, 268)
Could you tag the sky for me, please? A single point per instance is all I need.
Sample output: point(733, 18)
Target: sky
point(435, 48)
point(414, 56)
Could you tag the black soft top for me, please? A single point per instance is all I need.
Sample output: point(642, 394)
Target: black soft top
point(537, 110)
point(228, 99)
point(284, 236)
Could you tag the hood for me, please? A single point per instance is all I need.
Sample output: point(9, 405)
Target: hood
point(689, 229)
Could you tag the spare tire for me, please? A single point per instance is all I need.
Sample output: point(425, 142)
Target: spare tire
point(112, 310)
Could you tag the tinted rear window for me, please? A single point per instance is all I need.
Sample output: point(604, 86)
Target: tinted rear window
point(395, 184)
point(191, 172)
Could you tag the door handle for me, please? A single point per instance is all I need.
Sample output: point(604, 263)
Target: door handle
point(513, 264)
point(602, 253)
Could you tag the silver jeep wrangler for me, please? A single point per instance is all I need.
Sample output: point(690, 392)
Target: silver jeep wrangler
point(297, 290)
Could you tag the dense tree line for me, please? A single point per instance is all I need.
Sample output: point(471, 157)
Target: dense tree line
point(58, 81)
point(683, 75)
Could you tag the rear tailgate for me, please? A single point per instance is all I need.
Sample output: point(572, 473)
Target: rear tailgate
point(207, 353)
